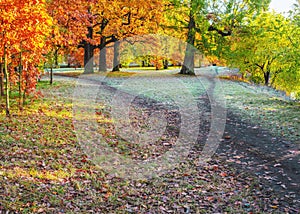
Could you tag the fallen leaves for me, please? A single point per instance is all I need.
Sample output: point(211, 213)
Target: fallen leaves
point(223, 174)
point(227, 137)
point(43, 170)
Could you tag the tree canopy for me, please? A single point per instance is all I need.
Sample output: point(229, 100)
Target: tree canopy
point(239, 33)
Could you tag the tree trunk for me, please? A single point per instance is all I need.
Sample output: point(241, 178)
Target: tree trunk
point(56, 58)
point(188, 64)
point(89, 54)
point(7, 83)
point(267, 78)
point(26, 86)
point(20, 83)
point(149, 61)
point(1, 80)
point(102, 58)
point(51, 74)
point(166, 64)
point(116, 62)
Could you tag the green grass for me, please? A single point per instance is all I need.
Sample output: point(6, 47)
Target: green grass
point(45, 85)
point(271, 112)
point(148, 68)
point(43, 169)
point(265, 108)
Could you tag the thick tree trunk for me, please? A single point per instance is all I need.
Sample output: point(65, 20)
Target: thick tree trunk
point(188, 64)
point(116, 62)
point(102, 58)
point(89, 54)
point(7, 84)
point(166, 64)
point(267, 78)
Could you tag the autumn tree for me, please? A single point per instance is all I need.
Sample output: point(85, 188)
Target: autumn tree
point(103, 13)
point(24, 26)
point(140, 17)
point(71, 19)
point(114, 21)
point(99, 13)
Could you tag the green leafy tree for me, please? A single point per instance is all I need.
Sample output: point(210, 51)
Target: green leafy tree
point(267, 51)
point(206, 23)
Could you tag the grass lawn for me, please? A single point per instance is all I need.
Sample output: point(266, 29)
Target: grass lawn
point(44, 170)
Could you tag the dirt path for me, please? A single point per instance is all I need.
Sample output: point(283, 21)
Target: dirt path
point(274, 161)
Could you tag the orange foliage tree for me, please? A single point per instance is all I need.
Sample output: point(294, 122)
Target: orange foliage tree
point(24, 24)
point(71, 19)
point(116, 20)
point(138, 18)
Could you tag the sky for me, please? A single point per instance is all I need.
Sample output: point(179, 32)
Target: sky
point(282, 5)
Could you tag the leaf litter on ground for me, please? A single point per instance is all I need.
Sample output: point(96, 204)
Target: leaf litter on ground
point(43, 169)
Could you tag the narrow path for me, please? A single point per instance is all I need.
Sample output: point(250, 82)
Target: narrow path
point(273, 160)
